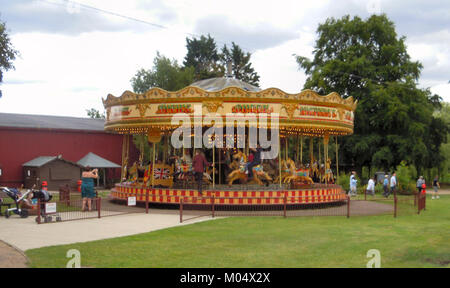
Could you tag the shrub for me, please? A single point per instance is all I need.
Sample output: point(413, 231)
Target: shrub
point(406, 179)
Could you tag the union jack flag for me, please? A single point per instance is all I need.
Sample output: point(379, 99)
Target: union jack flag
point(162, 173)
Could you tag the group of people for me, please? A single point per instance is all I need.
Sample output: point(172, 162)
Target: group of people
point(390, 184)
point(421, 185)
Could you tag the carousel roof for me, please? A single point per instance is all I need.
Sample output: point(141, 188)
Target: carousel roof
point(220, 83)
point(305, 113)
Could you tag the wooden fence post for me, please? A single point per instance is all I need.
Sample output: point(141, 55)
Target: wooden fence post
point(395, 207)
point(348, 206)
point(99, 206)
point(146, 201)
point(181, 210)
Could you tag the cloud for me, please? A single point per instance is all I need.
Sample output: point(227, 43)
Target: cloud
point(62, 17)
point(249, 37)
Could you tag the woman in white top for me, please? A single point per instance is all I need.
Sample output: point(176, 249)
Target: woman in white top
point(371, 187)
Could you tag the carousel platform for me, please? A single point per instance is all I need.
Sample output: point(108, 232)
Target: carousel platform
point(234, 195)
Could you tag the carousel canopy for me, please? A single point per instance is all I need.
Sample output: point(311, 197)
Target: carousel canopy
point(306, 113)
point(220, 83)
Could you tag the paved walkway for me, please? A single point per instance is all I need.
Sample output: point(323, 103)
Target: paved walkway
point(26, 234)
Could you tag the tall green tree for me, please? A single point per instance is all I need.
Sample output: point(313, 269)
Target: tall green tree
point(203, 56)
point(7, 52)
point(165, 74)
point(444, 169)
point(394, 119)
point(240, 64)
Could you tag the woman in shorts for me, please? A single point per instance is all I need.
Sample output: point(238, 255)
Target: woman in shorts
point(436, 186)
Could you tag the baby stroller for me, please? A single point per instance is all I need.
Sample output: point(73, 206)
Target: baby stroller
point(44, 197)
point(17, 197)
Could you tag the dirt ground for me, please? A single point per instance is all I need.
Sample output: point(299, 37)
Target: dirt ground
point(10, 257)
point(442, 191)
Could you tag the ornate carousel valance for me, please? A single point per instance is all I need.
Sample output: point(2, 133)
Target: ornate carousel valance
point(306, 113)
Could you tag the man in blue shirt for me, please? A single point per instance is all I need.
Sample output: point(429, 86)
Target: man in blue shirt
point(385, 186)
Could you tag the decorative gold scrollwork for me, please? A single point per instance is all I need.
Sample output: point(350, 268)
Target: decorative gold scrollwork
point(212, 106)
point(290, 109)
point(142, 108)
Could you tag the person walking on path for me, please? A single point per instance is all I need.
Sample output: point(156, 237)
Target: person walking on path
point(436, 186)
point(371, 187)
point(87, 187)
point(199, 163)
point(419, 183)
point(392, 184)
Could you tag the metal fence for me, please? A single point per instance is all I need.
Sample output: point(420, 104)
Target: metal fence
point(190, 207)
point(71, 206)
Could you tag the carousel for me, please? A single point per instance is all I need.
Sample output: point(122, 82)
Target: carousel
point(300, 128)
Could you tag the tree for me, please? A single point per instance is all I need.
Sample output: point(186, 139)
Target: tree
point(393, 119)
point(7, 52)
point(241, 66)
point(165, 74)
point(444, 169)
point(203, 56)
point(95, 114)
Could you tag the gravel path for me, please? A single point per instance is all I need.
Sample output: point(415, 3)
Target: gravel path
point(11, 257)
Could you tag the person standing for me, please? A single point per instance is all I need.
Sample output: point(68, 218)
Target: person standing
point(353, 183)
point(386, 186)
point(199, 163)
point(393, 184)
point(87, 187)
point(436, 186)
point(371, 187)
point(419, 183)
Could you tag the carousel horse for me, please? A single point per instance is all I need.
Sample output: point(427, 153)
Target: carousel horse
point(271, 167)
point(297, 175)
point(238, 171)
point(133, 172)
point(285, 171)
point(327, 173)
point(314, 170)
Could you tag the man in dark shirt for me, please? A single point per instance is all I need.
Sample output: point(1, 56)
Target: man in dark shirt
point(199, 163)
point(256, 161)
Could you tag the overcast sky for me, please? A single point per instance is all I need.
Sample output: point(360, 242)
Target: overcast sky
point(73, 55)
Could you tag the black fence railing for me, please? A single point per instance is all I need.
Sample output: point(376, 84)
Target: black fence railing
point(190, 207)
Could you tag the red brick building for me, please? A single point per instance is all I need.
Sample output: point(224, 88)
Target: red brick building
point(25, 137)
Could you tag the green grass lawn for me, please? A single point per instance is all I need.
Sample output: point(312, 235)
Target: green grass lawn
point(406, 241)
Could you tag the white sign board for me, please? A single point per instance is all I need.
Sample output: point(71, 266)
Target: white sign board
point(50, 208)
point(132, 201)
